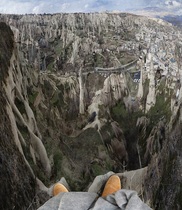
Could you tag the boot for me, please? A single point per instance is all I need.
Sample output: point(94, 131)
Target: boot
point(113, 184)
point(58, 187)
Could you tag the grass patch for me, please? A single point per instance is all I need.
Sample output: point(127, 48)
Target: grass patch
point(57, 163)
point(124, 117)
point(50, 67)
point(162, 107)
point(32, 97)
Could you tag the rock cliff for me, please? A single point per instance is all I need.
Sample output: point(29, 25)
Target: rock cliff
point(16, 176)
point(83, 94)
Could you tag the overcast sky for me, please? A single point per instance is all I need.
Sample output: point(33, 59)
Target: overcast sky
point(57, 6)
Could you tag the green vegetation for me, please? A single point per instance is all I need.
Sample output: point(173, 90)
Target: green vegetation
point(32, 96)
point(145, 92)
point(57, 158)
point(97, 169)
point(162, 107)
point(99, 60)
point(50, 66)
point(126, 118)
point(55, 98)
point(58, 47)
point(77, 160)
point(119, 112)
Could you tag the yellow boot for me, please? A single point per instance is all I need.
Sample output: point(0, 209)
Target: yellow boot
point(113, 184)
point(58, 187)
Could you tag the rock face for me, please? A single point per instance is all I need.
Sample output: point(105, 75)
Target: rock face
point(163, 182)
point(83, 94)
point(17, 181)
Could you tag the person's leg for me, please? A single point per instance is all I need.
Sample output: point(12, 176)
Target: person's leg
point(113, 184)
point(58, 187)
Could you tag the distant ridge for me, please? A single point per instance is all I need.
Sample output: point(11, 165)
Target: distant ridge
point(161, 13)
point(174, 19)
point(155, 9)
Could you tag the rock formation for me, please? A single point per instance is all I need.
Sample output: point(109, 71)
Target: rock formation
point(16, 177)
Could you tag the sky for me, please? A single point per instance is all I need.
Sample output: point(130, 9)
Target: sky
point(67, 6)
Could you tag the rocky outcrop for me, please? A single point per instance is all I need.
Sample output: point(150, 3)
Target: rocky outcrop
point(17, 181)
point(163, 182)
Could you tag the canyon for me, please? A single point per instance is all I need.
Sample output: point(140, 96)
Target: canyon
point(84, 94)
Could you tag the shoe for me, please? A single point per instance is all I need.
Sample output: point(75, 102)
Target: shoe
point(58, 187)
point(113, 184)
